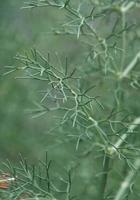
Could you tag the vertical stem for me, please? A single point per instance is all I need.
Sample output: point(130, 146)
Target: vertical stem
point(118, 102)
point(104, 177)
point(122, 67)
point(123, 40)
point(120, 97)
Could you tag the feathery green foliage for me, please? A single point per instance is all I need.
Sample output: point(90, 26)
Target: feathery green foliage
point(92, 103)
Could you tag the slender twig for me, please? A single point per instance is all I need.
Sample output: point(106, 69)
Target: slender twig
point(130, 66)
point(104, 178)
point(127, 182)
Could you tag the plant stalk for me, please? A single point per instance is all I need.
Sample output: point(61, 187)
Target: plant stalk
point(127, 181)
point(104, 177)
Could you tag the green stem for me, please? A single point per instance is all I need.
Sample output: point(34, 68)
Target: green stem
point(104, 178)
point(123, 40)
point(118, 103)
point(127, 181)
